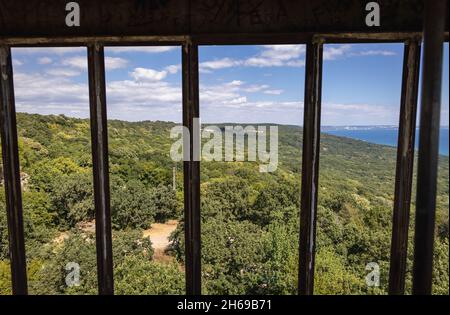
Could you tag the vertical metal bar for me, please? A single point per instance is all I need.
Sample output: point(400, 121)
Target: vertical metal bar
point(310, 166)
point(434, 22)
point(99, 134)
point(191, 171)
point(404, 169)
point(11, 173)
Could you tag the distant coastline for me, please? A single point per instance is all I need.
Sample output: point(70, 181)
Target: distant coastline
point(386, 135)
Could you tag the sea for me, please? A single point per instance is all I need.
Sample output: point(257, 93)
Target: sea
point(386, 135)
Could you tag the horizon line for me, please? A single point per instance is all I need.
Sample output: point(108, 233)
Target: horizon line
point(226, 122)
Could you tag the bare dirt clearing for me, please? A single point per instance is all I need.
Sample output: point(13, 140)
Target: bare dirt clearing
point(159, 235)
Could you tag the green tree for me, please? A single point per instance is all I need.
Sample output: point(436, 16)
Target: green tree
point(164, 203)
point(131, 205)
point(140, 276)
point(229, 197)
point(73, 199)
point(79, 247)
point(271, 198)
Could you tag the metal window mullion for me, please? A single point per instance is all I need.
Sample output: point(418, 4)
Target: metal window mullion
point(99, 134)
point(11, 173)
point(310, 166)
point(404, 168)
point(191, 171)
point(434, 24)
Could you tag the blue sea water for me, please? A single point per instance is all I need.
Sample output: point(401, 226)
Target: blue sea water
point(386, 136)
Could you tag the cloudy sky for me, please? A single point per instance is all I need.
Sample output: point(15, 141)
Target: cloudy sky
point(361, 83)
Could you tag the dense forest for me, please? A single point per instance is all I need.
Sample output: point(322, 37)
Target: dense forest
point(250, 220)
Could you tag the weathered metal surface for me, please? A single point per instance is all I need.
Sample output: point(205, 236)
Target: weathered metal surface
point(310, 166)
point(99, 135)
point(404, 169)
point(46, 18)
point(191, 171)
point(98, 17)
point(210, 39)
point(190, 23)
point(11, 173)
point(430, 111)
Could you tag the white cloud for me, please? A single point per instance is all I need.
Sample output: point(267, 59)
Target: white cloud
point(241, 86)
point(62, 72)
point(147, 96)
point(262, 62)
point(278, 56)
point(296, 63)
point(112, 63)
point(273, 92)
point(236, 83)
point(55, 92)
point(229, 95)
point(358, 114)
point(255, 88)
point(142, 49)
point(226, 102)
point(283, 52)
point(269, 56)
point(17, 62)
point(50, 50)
point(239, 100)
point(232, 93)
point(173, 69)
point(80, 62)
point(287, 56)
point(48, 94)
point(130, 92)
point(144, 100)
point(207, 66)
point(333, 52)
point(244, 111)
point(144, 74)
point(375, 53)
point(44, 60)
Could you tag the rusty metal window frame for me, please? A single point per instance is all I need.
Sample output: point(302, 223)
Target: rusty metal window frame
point(428, 152)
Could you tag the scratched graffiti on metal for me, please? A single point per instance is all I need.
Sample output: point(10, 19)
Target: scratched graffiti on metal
point(197, 17)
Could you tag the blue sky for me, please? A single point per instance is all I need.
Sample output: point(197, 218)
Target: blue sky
point(244, 84)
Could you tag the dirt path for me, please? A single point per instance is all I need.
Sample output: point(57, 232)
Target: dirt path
point(159, 235)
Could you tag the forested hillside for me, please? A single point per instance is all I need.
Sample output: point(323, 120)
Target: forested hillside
point(250, 220)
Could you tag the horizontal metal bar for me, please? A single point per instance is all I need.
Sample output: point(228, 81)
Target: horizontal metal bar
point(300, 38)
point(393, 37)
point(91, 40)
point(310, 166)
point(404, 169)
point(435, 14)
point(11, 173)
point(99, 134)
point(213, 39)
